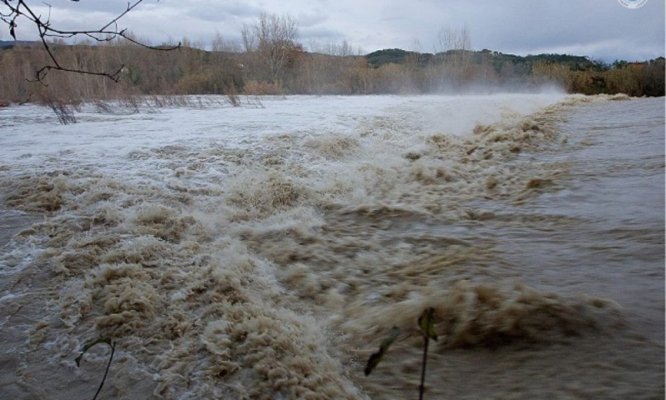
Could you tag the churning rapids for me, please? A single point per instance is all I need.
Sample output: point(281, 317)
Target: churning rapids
point(264, 252)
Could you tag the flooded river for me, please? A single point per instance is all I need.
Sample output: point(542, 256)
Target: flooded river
point(265, 251)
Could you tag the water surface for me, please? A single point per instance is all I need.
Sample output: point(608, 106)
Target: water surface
point(265, 251)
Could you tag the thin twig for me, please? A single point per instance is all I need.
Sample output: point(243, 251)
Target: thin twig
point(41, 73)
point(106, 372)
point(423, 366)
point(115, 20)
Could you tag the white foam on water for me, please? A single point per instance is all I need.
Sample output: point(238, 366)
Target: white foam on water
point(262, 252)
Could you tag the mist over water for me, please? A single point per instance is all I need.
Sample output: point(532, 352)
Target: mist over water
point(265, 251)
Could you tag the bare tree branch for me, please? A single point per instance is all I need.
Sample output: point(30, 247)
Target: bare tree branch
point(11, 10)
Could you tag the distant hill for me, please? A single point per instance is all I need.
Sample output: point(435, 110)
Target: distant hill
point(8, 44)
point(395, 56)
point(497, 59)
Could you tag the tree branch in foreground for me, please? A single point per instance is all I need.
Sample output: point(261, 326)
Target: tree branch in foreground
point(12, 10)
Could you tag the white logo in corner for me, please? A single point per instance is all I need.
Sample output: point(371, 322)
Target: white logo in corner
point(632, 4)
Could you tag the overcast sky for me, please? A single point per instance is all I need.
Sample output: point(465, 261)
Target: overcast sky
point(600, 29)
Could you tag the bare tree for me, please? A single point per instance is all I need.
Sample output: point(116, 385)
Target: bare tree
point(13, 11)
point(249, 39)
point(220, 44)
point(273, 39)
point(452, 39)
point(455, 44)
point(343, 49)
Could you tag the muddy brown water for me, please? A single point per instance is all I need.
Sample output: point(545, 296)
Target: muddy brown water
point(274, 270)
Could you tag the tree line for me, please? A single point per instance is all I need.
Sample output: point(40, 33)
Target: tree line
point(272, 61)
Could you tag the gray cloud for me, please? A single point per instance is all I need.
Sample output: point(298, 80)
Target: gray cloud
point(220, 11)
point(308, 20)
point(596, 28)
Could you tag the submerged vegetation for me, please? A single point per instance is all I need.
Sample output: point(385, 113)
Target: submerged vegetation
point(426, 329)
point(90, 345)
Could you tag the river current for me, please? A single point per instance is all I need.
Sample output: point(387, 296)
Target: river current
point(266, 251)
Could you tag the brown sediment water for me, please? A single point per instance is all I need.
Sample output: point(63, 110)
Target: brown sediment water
point(272, 266)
